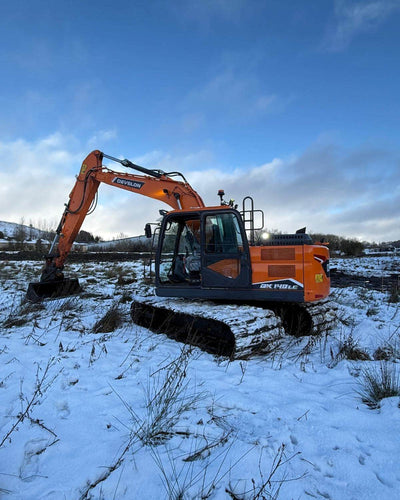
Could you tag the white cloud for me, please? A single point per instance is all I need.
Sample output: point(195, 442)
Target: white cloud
point(236, 95)
point(101, 137)
point(326, 188)
point(356, 17)
point(37, 177)
point(34, 176)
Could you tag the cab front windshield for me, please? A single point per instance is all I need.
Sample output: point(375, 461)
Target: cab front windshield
point(180, 252)
point(180, 259)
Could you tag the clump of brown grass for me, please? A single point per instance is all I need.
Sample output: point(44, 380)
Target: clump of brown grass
point(394, 295)
point(111, 320)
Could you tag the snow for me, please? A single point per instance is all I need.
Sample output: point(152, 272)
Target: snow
point(112, 244)
point(90, 432)
point(367, 266)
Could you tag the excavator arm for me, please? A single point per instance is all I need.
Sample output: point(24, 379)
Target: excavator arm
point(157, 184)
point(178, 194)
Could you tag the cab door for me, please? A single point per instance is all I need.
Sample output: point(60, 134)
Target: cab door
point(225, 252)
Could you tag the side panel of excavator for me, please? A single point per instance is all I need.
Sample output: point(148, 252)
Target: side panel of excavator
point(291, 272)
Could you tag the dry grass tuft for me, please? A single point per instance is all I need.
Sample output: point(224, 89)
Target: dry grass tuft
point(379, 383)
point(111, 320)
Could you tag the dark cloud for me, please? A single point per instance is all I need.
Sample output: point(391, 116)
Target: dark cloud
point(326, 188)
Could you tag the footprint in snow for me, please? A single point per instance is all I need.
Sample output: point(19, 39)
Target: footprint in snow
point(63, 410)
point(30, 464)
point(380, 477)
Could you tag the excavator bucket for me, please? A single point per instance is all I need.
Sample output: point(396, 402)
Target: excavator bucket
point(52, 289)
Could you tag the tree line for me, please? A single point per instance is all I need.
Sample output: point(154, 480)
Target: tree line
point(339, 245)
point(351, 246)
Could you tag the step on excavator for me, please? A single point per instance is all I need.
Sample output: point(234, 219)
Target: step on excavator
point(218, 283)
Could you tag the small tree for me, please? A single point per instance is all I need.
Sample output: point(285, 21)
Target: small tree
point(39, 246)
point(85, 237)
point(352, 247)
point(19, 235)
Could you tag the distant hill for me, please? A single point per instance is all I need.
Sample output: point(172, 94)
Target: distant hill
point(11, 232)
point(11, 229)
point(135, 243)
point(21, 232)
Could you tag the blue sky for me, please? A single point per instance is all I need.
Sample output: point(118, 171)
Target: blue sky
point(293, 102)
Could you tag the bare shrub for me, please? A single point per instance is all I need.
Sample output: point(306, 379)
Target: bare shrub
point(180, 476)
point(266, 487)
point(168, 395)
point(44, 380)
point(182, 479)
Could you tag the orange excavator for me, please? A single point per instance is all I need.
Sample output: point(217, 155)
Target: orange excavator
point(211, 253)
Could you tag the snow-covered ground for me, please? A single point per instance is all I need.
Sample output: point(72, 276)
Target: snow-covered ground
point(367, 266)
point(130, 414)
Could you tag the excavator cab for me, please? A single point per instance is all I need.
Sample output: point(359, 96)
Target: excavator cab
point(202, 253)
point(206, 253)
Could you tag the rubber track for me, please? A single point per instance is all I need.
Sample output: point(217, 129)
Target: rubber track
point(238, 331)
